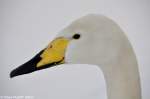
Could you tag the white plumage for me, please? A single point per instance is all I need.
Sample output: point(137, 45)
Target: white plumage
point(104, 44)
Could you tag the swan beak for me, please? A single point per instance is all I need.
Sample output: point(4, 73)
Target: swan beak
point(52, 55)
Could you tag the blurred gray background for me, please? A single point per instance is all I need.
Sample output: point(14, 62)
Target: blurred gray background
point(27, 26)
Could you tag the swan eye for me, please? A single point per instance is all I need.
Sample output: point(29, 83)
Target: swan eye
point(76, 36)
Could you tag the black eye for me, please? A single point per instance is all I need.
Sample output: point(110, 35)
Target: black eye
point(76, 36)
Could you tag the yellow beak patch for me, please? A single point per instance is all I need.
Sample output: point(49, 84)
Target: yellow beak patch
point(55, 52)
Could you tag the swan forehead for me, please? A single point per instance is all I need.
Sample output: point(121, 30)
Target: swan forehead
point(90, 25)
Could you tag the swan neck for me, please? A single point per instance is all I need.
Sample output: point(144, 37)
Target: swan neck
point(122, 82)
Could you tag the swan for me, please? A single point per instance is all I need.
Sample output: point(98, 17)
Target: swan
point(97, 40)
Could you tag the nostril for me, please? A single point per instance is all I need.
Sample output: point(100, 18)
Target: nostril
point(51, 46)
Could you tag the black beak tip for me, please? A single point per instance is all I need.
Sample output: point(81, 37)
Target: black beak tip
point(20, 71)
point(27, 67)
point(13, 74)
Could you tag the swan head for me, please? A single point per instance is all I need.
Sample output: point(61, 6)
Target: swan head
point(92, 39)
